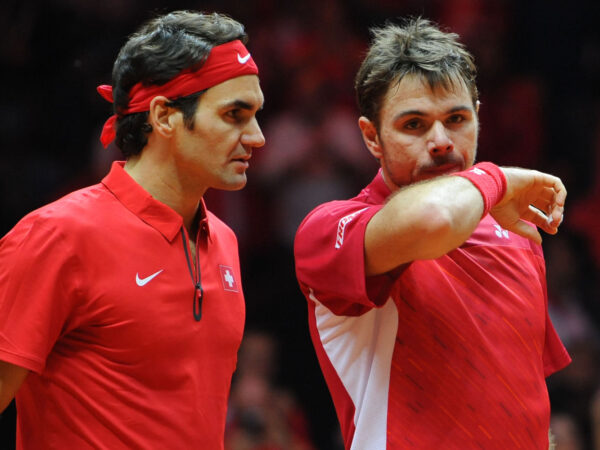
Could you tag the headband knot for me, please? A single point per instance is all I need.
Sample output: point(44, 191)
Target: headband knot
point(225, 61)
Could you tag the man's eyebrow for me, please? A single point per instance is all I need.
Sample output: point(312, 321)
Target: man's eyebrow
point(410, 112)
point(461, 108)
point(417, 112)
point(242, 105)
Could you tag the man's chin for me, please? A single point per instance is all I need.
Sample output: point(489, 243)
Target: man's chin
point(235, 183)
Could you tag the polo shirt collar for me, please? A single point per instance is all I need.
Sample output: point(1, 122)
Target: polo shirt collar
point(377, 191)
point(153, 212)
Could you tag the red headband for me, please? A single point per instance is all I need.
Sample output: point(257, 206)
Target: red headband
point(224, 62)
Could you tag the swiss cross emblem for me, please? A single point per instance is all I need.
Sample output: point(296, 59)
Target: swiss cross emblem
point(229, 283)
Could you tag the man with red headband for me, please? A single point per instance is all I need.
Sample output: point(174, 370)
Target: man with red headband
point(121, 305)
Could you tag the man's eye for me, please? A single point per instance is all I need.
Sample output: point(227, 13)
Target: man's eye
point(233, 113)
point(456, 118)
point(412, 124)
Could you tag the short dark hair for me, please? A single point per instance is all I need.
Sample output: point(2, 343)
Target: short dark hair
point(155, 54)
point(418, 47)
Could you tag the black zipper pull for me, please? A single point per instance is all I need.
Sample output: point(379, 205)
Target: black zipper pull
point(198, 295)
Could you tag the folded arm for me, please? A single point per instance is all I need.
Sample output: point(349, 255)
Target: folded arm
point(428, 219)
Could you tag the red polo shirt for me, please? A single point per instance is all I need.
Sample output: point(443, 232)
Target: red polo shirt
point(448, 353)
point(96, 300)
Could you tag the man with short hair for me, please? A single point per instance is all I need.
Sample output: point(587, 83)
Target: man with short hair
point(121, 306)
point(427, 292)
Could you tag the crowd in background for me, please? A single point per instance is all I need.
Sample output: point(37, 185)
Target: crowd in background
point(539, 68)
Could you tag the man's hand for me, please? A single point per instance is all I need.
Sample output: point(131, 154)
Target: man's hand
point(530, 196)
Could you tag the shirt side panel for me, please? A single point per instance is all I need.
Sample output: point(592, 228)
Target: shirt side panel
point(357, 354)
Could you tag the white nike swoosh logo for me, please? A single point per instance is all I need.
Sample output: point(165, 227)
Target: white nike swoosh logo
point(143, 281)
point(243, 60)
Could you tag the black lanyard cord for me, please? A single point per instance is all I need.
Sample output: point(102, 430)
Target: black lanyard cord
point(198, 291)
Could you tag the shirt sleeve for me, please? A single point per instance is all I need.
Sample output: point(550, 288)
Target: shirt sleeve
point(329, 255)
point(37, 270)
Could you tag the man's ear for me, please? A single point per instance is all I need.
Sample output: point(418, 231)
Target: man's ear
point(162, 117)
point(370, 136)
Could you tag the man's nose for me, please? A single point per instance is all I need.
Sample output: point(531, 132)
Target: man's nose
point(253, 136)
point(439, 143)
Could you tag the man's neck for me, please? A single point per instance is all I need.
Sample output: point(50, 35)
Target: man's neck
point(163, 184)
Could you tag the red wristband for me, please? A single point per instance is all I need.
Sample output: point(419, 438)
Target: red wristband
point(490, 181)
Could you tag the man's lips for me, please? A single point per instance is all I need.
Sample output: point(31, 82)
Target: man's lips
point(443, 169)
point(243, 159)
